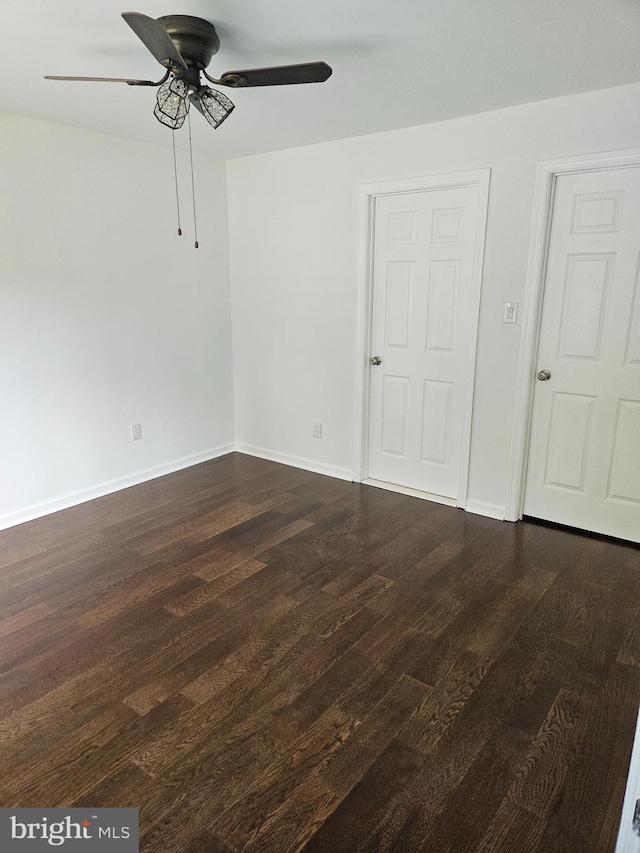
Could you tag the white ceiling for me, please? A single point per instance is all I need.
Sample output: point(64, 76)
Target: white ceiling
point(395, 64)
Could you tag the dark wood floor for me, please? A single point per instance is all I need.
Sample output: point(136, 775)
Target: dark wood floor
point(264, 659)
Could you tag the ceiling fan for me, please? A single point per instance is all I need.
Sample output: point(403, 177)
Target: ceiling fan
point(184, 46)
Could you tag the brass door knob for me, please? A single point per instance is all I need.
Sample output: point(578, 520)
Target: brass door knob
point(544, 375)
point(375, 360)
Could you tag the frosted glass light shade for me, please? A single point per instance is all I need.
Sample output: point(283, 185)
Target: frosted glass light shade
point(215, 106)
point(172, 103)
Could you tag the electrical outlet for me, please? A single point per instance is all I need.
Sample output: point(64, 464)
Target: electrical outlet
point(317, 430)
point(136, 432)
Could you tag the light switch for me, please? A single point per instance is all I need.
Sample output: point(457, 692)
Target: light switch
point(510, 312)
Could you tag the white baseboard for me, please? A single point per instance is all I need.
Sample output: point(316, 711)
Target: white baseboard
point(295, 461)
point(81, 496)
point(482, 508)
point(413, 493)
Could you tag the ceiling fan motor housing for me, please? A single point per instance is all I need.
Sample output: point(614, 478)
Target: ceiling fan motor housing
point(196, 39)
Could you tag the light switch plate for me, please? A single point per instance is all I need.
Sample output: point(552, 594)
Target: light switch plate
point(510, 312)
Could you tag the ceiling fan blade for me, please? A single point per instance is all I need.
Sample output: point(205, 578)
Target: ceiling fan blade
point(105, 80)
point(155, 38)
point(280, 75)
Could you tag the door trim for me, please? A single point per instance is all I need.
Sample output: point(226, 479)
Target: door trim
point(367, 195)
point(547, 175)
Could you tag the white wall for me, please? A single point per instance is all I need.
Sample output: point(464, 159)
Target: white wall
point(106, 317)
point(293, 234)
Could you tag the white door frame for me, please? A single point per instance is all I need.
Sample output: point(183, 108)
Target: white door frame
point(627, 840)
point(367, 194)
point(544, 196)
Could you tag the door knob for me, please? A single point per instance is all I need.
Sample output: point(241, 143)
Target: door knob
point(543, 375)
point(375, 360)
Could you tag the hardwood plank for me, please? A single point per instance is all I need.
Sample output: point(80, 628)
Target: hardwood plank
point(610, 826)
point(205, 842)
point(23, 618)
point(90, 754)
point(29, 641)
point(19, 785)
point(90, 646)
point(429, 659)
point(513, 828)
point(261, 803)
point(297, 820)
point(210, 564)
point(459, 593)
point(466, 815)
point(582, 606)
point(122, 788)
point(441, 594)
point(189, 798)
point(541, 774)
point(379, 792)
point(351, 761)
point(511, 605)
point(630, 651)
point(18, 552)
point(128, 594)
point(608, 632)
point(214, 589)
point(289, 723)
point(404, 827)
point(601, 759)
point(17, 688)
point(444, 703)
point(275, 642)
point(248, 703)
point(84, 694)
point(239, 640)
point(203, 527)
point(501, 695)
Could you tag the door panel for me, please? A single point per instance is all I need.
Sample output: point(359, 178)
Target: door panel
point(424, 251)
point(568, 440)
point(394, 415)
point(633, 338)
point(624, 475)
point(436, 423)
point(584, 453)
point(442, 306)
point(586, 293)
point(399, 286)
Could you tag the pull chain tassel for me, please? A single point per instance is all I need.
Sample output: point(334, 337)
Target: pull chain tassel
point(175, 174)
point(193, 186)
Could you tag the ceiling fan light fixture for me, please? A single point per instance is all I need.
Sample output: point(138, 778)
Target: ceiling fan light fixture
point(172, 103)
point(215, 106)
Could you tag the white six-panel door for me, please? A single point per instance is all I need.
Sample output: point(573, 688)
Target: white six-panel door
point(423, 266)
point(584, 451)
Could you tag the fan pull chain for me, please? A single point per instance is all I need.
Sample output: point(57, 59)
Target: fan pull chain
point(193, 186)
point(175, 172)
